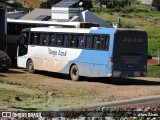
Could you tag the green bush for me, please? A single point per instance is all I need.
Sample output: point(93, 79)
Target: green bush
point(117, 3)
point(125, 24)
point(122, 3)
point(153, 46)
point(133, 10)
point(102, 10)
point(153, 71)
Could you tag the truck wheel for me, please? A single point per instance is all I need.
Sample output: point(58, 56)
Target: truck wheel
point(30, 66)
point(74, 73)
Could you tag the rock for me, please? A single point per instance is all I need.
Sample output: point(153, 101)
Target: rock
point(18, 98)
point(50, 93)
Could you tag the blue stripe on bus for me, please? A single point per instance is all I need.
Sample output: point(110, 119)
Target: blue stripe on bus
point(83, 57)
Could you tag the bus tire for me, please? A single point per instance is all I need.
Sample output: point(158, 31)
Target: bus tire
point(74, 73)
point(30, 66)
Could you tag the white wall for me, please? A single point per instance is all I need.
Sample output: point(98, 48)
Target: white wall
point(145, 1)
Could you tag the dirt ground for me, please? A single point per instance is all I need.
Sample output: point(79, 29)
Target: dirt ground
point(58, 91)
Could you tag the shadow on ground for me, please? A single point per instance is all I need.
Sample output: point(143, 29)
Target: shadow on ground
point(124, 81)
point(113, 81)
point(28, 109)
point(2, 75)
point(15, 72)
point(53, 75)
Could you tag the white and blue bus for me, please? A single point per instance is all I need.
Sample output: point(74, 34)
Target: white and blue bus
point(94, 52)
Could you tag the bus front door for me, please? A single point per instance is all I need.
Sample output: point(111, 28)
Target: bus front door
point(22, 49)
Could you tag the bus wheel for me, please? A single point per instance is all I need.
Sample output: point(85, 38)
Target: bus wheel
point(30, 66)
point(74, 73)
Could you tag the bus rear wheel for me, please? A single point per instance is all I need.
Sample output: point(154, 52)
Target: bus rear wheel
point(74, 73)
point(30, 66)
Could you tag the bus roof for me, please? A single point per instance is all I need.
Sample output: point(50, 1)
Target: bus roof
point(59, 29)
point(51, 23)
point(94, 30)
point(43, 22)
point(128, 29)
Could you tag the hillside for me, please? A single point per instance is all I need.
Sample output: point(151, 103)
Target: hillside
point(136, 16)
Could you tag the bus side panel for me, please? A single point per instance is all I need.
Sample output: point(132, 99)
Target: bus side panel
point(99, 69)
point(91, 63)
point(84, 68)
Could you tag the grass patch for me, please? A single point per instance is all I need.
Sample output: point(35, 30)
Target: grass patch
point(9, 82)
point(153, 71)
point(36, 99)
point(27, 98)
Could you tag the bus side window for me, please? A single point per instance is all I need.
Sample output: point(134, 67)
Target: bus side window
point(32, 39)
point(104, 43)
point(41, 38)
point(107, 42)
point(35, 39)
point(96, 44)
point(73, 41)
point(89, 42)
point(24, 38)
point(45, 39)
point(52, 39)
point(59, 38)
point(81, 40)
point(66, 40)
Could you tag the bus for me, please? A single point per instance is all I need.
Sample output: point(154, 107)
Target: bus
point(94, 52)
point(14, 28)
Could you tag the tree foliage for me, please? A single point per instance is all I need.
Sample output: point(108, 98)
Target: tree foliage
point(87, 4)
point(48, 3)
point(32, 3)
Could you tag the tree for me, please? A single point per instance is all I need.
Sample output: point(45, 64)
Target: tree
point(32, 3)
point(87, 4)
point(48, 3)
point(156, 4)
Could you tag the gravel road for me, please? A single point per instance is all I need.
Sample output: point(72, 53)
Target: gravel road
point(87, 91)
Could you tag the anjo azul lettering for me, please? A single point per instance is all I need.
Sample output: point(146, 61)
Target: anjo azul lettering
point(57, 52)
